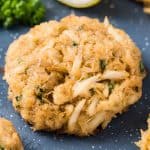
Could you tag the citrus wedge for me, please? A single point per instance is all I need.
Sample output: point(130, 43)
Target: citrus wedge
point(80, 3)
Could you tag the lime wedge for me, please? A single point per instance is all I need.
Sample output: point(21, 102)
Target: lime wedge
point(80, 3)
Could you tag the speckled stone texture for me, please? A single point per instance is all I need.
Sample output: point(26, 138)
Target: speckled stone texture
point(123, 131)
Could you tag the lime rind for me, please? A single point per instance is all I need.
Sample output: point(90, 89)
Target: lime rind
point(80, 3)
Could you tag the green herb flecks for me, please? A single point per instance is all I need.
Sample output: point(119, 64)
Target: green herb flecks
point(18, 106)
point(102, 64)
point(111, 86)
point(141, 66)
point(26, 70)
point(39, 93)
point(74, 44)
point(18, 98)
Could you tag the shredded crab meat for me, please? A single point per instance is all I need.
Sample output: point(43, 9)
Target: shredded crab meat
point(62, 93)
point(106, 21)
point(92, 107)
point(96, 121)
point(83, 87)
point(114, 33)
point(77, 64)
point(74, 117)
point(115, 75)
point(71, 35)
point(18, 70)
point(69, 109)
point(47, 46)
point(106, 91)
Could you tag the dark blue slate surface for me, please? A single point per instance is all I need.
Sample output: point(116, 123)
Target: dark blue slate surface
point(123, 131)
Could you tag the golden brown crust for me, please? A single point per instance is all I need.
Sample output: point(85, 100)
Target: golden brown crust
point(73, 75)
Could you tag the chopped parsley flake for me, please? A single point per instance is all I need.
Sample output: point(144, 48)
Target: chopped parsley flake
point(111, 86)
point(18, 98)
point(142, 68)
point(74, 44)
point(39, 93)
point(102, 64)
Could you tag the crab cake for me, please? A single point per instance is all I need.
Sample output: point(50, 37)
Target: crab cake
point(74, 75)
point(144, 143)
point(9, 139)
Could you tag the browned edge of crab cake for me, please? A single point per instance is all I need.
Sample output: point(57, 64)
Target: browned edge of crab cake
point(9, 138)
point(73, 75)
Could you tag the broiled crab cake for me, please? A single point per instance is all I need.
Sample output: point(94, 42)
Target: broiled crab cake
point(144, 143)
point(73, 75)
point(9, 139)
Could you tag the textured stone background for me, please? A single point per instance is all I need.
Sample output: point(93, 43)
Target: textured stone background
point(123, 131)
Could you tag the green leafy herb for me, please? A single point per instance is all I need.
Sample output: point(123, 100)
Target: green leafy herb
point(26, 70)
point(18, 98)
point(21, 11)
point(111, 86)
point(74, 44)
point(142, 68)
point(102, 64)
point(39, 93)
point(18, 106)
